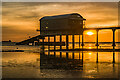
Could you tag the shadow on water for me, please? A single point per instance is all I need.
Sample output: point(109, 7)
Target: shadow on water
point(48, 61)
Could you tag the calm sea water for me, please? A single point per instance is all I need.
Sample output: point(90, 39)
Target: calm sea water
point(27, 64)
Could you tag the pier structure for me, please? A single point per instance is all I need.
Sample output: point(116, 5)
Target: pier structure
point(113, 43)
point(62, 25)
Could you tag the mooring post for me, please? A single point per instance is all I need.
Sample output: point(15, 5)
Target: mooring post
point(113, 45)
point(67, 42)
point(48, 45)
point(79, 41)
point(54, 44)
point(60, 41)
point(73, 41)
point(97, 44)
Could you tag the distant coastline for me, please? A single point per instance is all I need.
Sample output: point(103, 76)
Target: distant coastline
point(7, 43)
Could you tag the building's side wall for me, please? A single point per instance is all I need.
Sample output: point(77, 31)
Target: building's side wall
point(54, 24)
point(61, 26)
point(76, 26)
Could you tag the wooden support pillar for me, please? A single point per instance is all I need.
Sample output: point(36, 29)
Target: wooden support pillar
point(60, 41)
point(97, 44)
point(79, 41)
point(60, 54)
point(79, 55)
point(66, 55)
point(113, 56)
point(73, 42)
point(113, 45)
point(97, 37)
point(54, 45)
point(97, 57)
point(73, 55)
point(67, 42)
point(82, 48)
point(48, 45)
point(113, 37)
point(82, 57)
point(43, 45)
point(82, 41)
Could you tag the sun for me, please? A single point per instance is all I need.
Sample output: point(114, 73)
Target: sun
point(90, 53)
point(89, 33)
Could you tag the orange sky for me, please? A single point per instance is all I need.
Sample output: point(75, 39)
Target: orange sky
point(20, 20)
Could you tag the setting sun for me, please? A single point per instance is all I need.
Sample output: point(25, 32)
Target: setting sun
point(89, 33)
point(90, 53)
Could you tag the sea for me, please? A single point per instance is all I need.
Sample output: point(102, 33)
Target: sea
point(34, 63)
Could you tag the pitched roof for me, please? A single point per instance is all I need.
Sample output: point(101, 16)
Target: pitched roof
point(62, 16)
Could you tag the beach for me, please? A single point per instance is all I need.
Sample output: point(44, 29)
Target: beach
point(33, 64)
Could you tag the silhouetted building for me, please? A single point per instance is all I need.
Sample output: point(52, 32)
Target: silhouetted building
point(62, 24)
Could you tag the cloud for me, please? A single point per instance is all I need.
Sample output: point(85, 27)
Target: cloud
point(24, 16)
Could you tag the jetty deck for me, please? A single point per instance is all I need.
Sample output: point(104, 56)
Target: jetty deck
point(93, 50)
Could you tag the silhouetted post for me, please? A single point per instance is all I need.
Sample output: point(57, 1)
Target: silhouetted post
point(48, 45)
point(82, 41)
point(73, 55)
point(113, 57)
point(66, 55)
point(73, 41)
point(113, 45)
point(97, 37)
point(79, 55)
point(113, 37)
point(60, 41)
point(79, 41)
point(82, 47)
point(97, 57)
point(67, 42)
point(43, 45)
point(60, 54)
point(54, 45)
point(82, 57)
point(97, 44)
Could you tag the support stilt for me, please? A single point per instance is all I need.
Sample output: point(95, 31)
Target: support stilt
point(73, 41)
point(43, 45)
point(48, 45)
point(60, 54)
point(67, 42)
point(97, 58)
point(66, 55)
point(79, 41)
point(113, 45)
point(97, 37)
point(82, 41)
point(97, 44)
point(82, 57)
point(73, 55)
point(54, 45)
point(79, 55)
point(60, 41)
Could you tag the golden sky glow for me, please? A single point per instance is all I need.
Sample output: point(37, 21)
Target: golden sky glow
point(20, 20)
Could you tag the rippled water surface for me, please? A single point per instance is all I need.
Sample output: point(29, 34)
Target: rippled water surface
point(33, 64)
